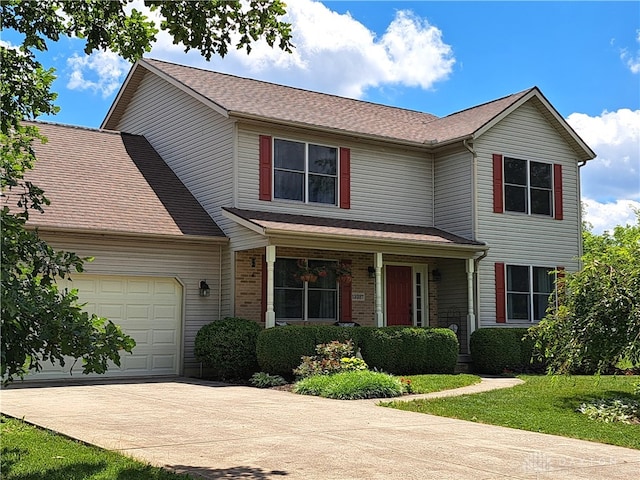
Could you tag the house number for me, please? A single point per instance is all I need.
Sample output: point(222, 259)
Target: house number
point(357, 297)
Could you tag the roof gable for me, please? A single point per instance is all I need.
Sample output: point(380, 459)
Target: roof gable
point(246, 98)
point(112, 182)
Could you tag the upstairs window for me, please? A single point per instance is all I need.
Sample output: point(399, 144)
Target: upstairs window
point(528, 187)
point(305, 172)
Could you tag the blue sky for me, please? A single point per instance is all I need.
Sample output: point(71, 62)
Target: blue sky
point(437, 57)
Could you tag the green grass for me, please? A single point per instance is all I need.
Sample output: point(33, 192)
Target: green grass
point(30, 453)
point(542, 404)
point(437, 383)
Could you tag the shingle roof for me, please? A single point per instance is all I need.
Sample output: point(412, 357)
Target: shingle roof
point(112, 182)
point(373, 231)
point(244, 97)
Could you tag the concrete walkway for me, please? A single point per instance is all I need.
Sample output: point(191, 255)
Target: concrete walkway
point(220, 431)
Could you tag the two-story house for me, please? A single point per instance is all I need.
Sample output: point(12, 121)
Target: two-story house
point(454, 222)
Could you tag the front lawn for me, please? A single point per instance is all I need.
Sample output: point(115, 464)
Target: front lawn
point(546, 404)
point(29, 453)
point(353, 385)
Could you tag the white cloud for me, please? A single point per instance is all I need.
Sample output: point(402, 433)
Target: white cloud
point(336, 54)
point(633, 62)
point(101, 72)
point(615, 137)
point(605, 216)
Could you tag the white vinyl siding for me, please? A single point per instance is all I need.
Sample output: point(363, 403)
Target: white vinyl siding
point(188, 263)
point(520, 239)
point(454, 193)
point(387, 185)
point(194, 140)
point(452, 297)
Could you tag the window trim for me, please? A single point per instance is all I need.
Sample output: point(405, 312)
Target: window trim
point(307, 173)
point(531, 293)
point(528, 187)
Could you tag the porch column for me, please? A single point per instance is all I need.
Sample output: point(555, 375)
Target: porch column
point(270, 315)
point(471, 316)
point(377, 263)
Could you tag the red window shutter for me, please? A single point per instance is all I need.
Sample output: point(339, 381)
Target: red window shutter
point(263, 305)
point(345, 178)
point(497, 184)
point(557, 191)
point(265, 168)
point(501, 298)
point(345, 299)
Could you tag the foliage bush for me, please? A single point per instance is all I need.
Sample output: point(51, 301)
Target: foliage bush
point(264, 380)
point(351, 385)
point(409, 351)
point(594, 319)
point(494, 350)
point(398, 350)
point(279, 349)
point(624, 410)
point(228, 347)
point(332, 357)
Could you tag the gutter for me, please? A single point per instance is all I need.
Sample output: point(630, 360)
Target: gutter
point(114, 233)
point(428, 144)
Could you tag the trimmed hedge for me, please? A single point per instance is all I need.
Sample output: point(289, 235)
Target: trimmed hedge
point(411, 351)
point(494, 350)
point(396, 350)
point(228, 347)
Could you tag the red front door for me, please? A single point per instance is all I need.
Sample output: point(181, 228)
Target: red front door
point(399, 295)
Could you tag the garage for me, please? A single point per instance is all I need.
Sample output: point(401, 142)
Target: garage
point(149, 309)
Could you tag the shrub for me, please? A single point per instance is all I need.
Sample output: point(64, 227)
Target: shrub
point(398, 350)
point(279, 349)
point(228, 347)
point(408, 351)
point(351, 385)
point(494, 350)
point(332, 357)
point(624, 410)
point(264, 380)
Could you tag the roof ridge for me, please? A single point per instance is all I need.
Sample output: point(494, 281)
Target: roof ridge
point(79, 127)
point(280, 85)
point(517, 94)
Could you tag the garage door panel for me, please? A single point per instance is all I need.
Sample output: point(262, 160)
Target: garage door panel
point(149, 309)
point(164, 337)
point(164, 362)
point(113, 312)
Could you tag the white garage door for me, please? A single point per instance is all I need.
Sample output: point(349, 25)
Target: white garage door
point(149, 309)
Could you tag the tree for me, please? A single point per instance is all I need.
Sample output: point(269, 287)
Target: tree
point(38, 320)
point(596, 322)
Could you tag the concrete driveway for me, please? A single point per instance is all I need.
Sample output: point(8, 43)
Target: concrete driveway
point(220, 431)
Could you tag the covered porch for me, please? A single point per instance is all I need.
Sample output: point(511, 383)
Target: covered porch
point(397, 274)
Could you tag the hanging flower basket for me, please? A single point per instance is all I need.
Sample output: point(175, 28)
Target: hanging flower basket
point(309, 274)
point(343, 273)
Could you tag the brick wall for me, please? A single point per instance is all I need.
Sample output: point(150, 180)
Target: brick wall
point(249, 265)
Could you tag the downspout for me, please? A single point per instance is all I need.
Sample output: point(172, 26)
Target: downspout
point(433, 190)
point(474, 212)
point(219, 282)
point(474, 189)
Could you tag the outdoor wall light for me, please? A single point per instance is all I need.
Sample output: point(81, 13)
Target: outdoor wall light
point(372, 272)
point(205, 290)
point(436, 275)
